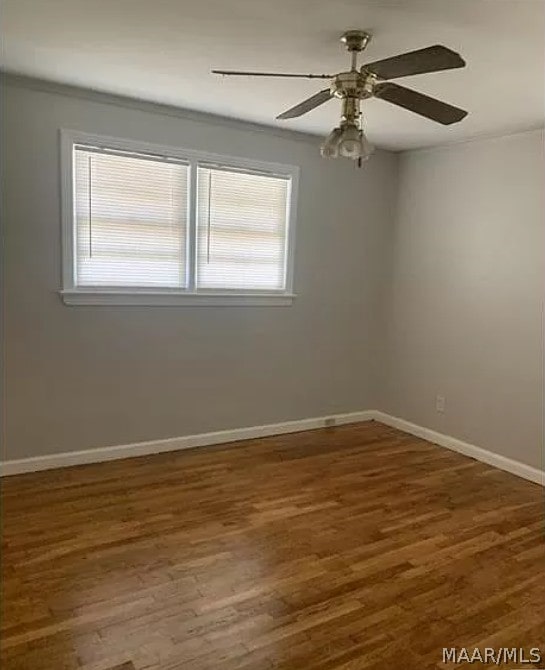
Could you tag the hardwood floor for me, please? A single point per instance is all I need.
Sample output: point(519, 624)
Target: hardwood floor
point(356, 547)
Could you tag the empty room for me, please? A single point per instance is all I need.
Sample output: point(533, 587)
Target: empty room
point(272, 345)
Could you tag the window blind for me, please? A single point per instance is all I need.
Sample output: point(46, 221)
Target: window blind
point(241, 230)
point(130, 219)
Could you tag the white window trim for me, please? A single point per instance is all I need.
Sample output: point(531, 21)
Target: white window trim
point(77, 295)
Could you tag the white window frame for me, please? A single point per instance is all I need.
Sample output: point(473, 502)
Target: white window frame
point(100, 295)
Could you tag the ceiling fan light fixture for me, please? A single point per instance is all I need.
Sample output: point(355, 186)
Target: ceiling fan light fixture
point(330, 146)
point(367, 149)
point(347, 141)
point(350, 144)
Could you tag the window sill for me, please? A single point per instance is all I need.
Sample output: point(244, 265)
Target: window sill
point(173, 298)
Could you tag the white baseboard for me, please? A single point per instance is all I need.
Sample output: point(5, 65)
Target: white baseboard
point(483, 455)
point(101, 454)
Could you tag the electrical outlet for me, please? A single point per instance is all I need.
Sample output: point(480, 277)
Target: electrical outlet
point(440, 403)
point(330, 422)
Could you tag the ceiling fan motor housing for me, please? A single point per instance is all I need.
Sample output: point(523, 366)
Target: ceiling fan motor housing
point(353, 84)
point(352, 87)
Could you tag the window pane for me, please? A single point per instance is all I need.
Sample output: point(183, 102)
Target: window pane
point(131, 220)
point(242, 230)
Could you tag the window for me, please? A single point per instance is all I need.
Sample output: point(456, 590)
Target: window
point(146, 224)
point(130, 220)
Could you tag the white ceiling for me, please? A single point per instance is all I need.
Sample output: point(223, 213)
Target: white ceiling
point(162, 50)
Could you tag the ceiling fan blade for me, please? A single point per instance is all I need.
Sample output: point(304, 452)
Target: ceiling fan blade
point(308, 104)
point(430, 59)
point(431, 108)
point(241, 73)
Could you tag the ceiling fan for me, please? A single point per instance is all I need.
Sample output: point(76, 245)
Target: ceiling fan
point(372, 80)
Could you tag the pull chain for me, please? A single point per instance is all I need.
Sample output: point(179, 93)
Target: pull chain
point(90, 209)
point(208, 223)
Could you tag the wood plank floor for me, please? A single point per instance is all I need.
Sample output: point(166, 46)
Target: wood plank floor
point(357, 547)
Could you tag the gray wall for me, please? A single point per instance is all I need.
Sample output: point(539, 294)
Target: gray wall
point(465, 298)
point(81, 377)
